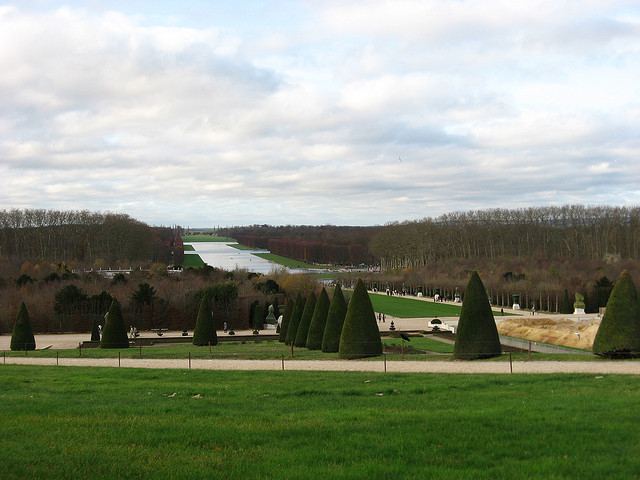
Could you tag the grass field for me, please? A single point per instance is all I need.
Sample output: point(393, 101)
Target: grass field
point(205, 238)
point(404, 307)
point(189, 248)
point(290, 262)
point(192, 261)
point(72, 422)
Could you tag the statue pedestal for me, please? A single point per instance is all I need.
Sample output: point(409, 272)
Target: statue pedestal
point(578, 311)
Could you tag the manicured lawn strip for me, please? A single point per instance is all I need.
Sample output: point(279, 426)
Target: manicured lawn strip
point(290, 262)
point(193, 260)
point(404, 307)
point(421, 343)
point(237, 246)
point(68, 422)
point(273, 350)
point(205, 238)
point(189, 248)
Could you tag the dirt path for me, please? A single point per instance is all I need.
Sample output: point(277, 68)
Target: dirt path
point(605, 367)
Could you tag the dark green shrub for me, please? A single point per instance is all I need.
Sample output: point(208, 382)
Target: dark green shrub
point(286, 318)
point(114, 333)
point(95, 332)
point(296, 315)
point(335, 320)
point(258, 318)
point(566, 306)
point(360, 335)
point(318, 322)
point(619, 333)
point(477, 335)
point(204, 332)
point(305, 321)
point(22, 337)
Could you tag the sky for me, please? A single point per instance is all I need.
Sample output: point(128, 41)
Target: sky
point(208, 113)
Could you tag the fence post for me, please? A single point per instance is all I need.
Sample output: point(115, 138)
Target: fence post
point(189, 360)
point(57, 357)
point(385, 361)
point(292, 349)
point(529, 349)
point(140, 347)
point(118, 359)
point(80, 348)
point(283, 361)
point(210, 350)
point(510, 363)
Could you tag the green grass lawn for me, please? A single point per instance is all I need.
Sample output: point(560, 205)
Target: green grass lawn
point(74, 422)
point(192, 261)
point(290, 262)
point(404, 307)
point(205, 238)
point(189, 248)
point(237, 246)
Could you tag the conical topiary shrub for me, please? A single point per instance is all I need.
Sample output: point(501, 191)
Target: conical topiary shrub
point(296, 315)
point(257, 322)
point(204, 332)
point(477, 335)
point(305, 321)
point(565, 305)
point(360, 336)
point(22, 337)
point(335, 320)
point(318, 322)
point(114, 333)
point(95, 331)
point(286, 318)
point(619, 333)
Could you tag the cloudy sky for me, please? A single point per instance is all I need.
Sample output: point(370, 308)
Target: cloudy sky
point(344, 112)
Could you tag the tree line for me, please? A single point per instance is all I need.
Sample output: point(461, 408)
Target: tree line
point(84, 237)
point(569, 232)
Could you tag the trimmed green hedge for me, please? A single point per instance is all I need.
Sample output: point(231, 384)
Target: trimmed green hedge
point(204, 332)
point(619, 333)
point(318, 322)
point(477, 335)
point(305, 321)
point(298, 308)
point(286, 318)
point(22, 337)
point(335, 320)
point(114, 333)
point(360, 335)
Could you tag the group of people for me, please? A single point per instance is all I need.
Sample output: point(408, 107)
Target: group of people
point(133, 332)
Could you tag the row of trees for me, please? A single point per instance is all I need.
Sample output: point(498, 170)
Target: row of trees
point(84, 237)
point(571, 232)
point(331, 325)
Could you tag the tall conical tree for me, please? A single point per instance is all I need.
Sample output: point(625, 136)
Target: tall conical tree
point(286, 318)
point(360, 336)
point(477, 335)
point(22, 337)
point(114, 333)
point(318, 322)
point(257, 322)
point(565, 305)
point(305, 321)
point(335, 320)
point(204, 332)
point(619, 333)
point(298, 308)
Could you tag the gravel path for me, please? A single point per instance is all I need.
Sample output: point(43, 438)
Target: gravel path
point(606, 367)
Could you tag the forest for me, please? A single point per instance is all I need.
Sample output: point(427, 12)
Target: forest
point(51, 261)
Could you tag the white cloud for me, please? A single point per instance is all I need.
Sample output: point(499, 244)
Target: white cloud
point(304, 120)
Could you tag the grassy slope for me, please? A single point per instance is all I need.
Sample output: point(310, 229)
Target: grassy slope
point(404, 307)
point(290, 262)
point(108, 423)
point(205, 238)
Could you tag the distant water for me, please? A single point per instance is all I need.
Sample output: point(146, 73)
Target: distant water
point(221, 255)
